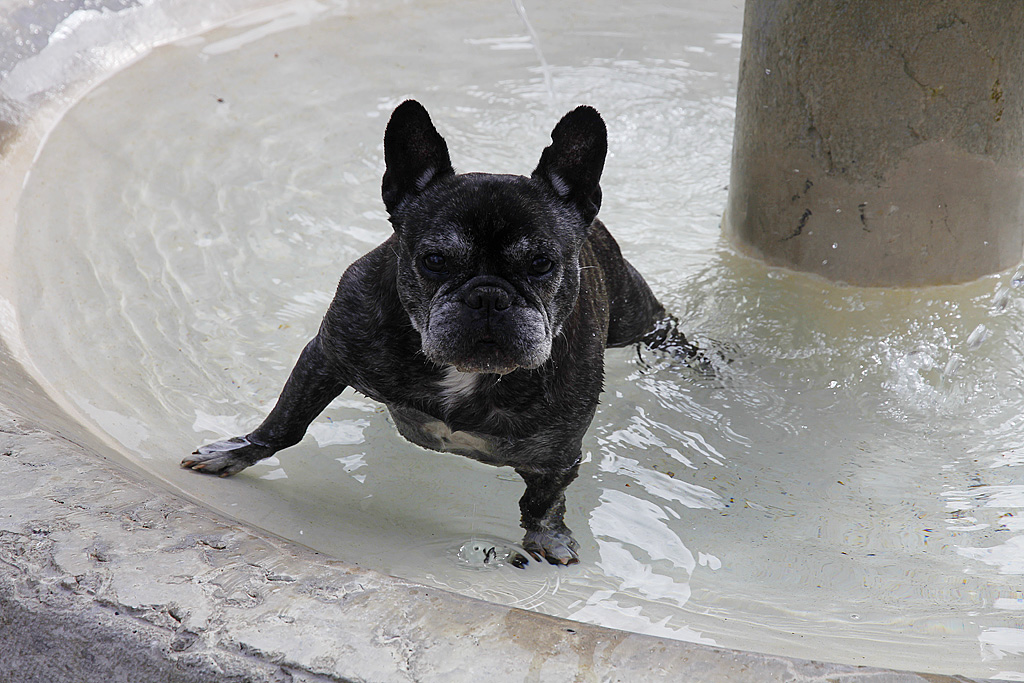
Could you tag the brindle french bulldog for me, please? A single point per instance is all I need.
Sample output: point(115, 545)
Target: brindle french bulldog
point(481, 323)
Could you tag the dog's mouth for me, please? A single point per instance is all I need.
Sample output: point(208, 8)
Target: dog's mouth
point(493, 344)
point(486, 354)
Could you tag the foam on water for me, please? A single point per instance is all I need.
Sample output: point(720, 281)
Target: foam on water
point(846, 489)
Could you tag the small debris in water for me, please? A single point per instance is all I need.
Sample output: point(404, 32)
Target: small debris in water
point(482, 554)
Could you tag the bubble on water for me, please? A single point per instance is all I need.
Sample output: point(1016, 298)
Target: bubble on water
point(488, 553)
point(952, 365)
point(977, 337)
point(1001, 298)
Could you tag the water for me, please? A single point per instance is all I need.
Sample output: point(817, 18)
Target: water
point(847, 489)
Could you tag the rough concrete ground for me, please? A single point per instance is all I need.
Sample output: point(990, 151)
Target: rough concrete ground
point(104, 577)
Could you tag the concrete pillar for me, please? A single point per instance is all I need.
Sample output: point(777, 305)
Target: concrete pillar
point(881, 142)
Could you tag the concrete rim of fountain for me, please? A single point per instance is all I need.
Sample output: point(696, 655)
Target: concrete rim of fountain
point(104, 574)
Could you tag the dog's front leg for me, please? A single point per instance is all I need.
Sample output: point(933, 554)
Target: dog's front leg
point(543, 509)
point(312, 385)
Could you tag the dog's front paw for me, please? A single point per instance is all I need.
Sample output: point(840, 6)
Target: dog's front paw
point(557, 547)
point(227, 457)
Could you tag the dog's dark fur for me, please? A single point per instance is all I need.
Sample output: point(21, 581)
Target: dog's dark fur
point(481, 322)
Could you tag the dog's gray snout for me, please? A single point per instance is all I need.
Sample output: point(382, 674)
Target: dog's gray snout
point(493, 298)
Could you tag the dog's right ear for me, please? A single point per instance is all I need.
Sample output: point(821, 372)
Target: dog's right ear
point(415, 154)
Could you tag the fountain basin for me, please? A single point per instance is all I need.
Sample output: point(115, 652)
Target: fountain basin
point(113, 540)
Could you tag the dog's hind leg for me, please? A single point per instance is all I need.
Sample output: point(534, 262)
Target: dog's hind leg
point(666, 336)
point(707, 358)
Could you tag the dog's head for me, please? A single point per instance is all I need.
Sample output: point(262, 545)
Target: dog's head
point(488, 265)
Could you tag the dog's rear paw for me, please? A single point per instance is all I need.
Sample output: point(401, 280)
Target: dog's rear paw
point(226, 457)
point(707, 357)
point(557, 547)
point(710, 357)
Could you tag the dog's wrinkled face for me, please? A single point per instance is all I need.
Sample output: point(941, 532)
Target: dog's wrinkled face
point(487, 271)
point(489, 264)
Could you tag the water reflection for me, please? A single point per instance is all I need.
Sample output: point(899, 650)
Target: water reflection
point(636, 545)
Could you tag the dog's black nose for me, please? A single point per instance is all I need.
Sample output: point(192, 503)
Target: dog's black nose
point(492, 298)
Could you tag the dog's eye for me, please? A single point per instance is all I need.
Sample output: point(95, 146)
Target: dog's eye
point(541, 266)
point(434, 263)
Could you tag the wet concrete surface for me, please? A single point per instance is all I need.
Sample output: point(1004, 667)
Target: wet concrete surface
point(105, 577)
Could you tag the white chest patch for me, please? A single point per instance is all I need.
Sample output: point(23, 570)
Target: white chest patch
point(457, 385)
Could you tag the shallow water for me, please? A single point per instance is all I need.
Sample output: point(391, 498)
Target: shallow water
point(847, 489)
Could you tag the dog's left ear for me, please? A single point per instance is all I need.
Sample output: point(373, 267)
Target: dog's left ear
point(415, 154)
point(572, 164)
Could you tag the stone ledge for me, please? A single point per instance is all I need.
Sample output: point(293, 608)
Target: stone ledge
point(106, 577)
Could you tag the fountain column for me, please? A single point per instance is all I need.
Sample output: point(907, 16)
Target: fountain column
point(881, 143)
